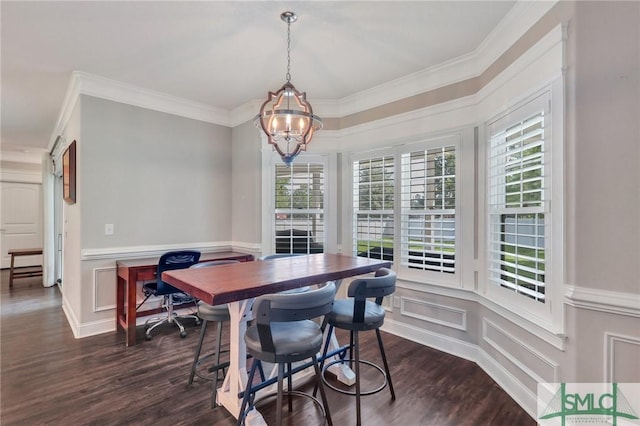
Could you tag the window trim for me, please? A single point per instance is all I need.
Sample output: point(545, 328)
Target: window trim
point(269, 162)
point(427, 276)
point(453, 138)
point(548, 315)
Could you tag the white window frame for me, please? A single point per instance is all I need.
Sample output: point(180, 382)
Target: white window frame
point(419, 275)
point(269, 162)
point(428, 142)
point(355, 157)
point(548, 315)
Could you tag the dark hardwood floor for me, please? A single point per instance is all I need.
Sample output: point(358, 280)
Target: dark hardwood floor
point(50, 378)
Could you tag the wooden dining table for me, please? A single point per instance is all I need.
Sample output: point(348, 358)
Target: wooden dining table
point(238, 284)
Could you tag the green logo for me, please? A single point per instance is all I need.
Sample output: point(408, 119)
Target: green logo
point(582, 405)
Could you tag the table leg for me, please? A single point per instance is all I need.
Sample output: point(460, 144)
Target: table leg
point(121, 286)
point(11, 271)
point(236, 379)
point(131, 292)
point(344, 374)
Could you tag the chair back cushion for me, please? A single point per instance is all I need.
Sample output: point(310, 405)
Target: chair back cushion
point(283, 330)
point(174, 260)
point(284, 307)
point(382, 284)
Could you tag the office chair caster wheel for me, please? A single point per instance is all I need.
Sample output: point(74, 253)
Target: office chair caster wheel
point(198, 321)
point(183, 334)
point(147, 337)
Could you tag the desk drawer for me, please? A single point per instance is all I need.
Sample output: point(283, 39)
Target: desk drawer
point(145, 274)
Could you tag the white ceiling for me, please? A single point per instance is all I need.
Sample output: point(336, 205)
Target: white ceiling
point(223, 54)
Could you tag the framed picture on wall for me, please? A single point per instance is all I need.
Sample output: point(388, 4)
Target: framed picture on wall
point(69, 174)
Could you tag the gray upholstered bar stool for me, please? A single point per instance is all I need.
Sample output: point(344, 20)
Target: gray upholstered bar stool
point(359, 314)
point(283, 332)
point(208, 313)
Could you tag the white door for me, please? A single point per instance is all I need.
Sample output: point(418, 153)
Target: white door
point(21, 221)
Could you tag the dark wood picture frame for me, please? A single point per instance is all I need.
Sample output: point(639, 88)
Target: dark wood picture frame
point(69, 174)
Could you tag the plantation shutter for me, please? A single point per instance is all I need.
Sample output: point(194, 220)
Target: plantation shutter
point(299, 208)
point(373, 204)
point(428, 209)
point(517, 207)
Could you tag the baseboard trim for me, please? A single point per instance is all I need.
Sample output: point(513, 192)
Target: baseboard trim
point(507, 381)
point(471, 352)
point(107, 325)
point(437, 341)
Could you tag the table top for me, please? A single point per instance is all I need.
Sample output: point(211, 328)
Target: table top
point(239, 281)
point(153, 261)
point(25, 252)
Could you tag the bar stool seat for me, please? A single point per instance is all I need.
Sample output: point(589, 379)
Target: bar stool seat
point(299, 338)
point(213, 313)
point(342, 316)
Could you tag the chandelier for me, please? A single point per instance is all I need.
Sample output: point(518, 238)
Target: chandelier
point(286, 117)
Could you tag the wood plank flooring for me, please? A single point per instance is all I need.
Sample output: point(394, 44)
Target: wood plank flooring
point(50, 378)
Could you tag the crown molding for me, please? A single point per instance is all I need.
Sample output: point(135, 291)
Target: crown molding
point(32, 156)
point(82, 83)
point(68, 104)
point(245, 112)
point(117, 91)
point(518, 20)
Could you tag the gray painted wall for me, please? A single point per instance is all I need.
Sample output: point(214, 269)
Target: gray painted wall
point(247, 181)
point(160, 179)
point(604, 96)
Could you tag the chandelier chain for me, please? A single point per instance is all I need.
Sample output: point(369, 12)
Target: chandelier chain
point(288, 51)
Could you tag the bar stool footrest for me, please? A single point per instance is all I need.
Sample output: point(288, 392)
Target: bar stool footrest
point(212, 369)
point(347, 392)
point(294, 393)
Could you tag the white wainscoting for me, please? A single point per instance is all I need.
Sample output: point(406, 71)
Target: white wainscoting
point(620, 349)
point(104, 293)
point(525, 357)
point(435, 313)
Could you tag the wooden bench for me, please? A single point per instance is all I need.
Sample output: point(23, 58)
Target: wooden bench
point(24, 271)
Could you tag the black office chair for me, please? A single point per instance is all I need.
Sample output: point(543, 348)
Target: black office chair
point(359, 314)
point(282, 333)
point(209, 313)
point(169, 261)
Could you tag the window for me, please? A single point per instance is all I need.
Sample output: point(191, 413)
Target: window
point(428, 221)
point(373, 204)
point(299, 208)
point(518, 204)
point(404, 208)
